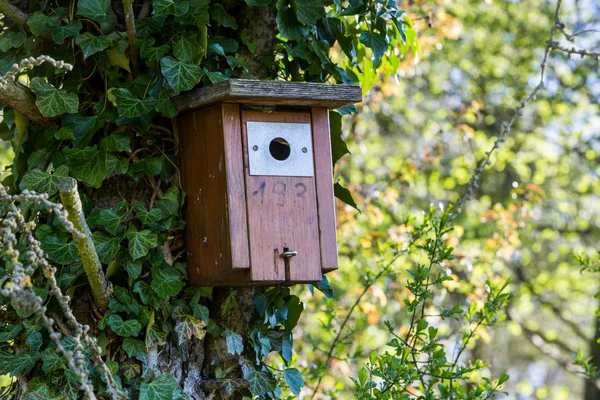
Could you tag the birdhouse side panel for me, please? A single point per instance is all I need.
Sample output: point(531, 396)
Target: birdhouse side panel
point(324, 185)
point(204, 181)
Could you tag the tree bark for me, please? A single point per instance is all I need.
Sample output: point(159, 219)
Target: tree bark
point(592, 391)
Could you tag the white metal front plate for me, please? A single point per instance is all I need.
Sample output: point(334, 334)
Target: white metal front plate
point(262, 162)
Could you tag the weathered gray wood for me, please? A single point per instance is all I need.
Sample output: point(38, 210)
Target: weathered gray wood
point(274, 93)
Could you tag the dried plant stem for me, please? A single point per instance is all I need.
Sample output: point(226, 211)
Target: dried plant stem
point(101, 289)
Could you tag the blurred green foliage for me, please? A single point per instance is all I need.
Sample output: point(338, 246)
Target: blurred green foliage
point(416, 141)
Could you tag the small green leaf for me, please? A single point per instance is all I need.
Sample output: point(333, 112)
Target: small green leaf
point(117, 142)
point(65, 133)
point(293, 378)
point(147, 217)
point(261, 382)
point(168, 7)
point(23, 362)
point(179, 75)
point(91, 44)
point(166, 281)
point(147, 295)
point(258, 3)
point(189, 48)
point(52, 360)
point(87, 165)
point(344, 195)
point(52, 101)
point(338, 146)
point(140, 242)
point(116, 165)
point(127, 328)
point(130, 106)
point(188, 326)
point(134, 348)
point(166, 105)
point(96, 10)
point(288, 23)
point(325, 287)
point(12, 38)
point(43, 182)
point(165, 387)
point(235, 344)
point(35, 341)
point(59, 251)
point(218, 13)
point(107, 246)
point(10, 333)
point(310, 11)
point(376, 42)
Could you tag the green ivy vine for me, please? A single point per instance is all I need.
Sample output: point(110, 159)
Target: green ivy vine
point(108, 123)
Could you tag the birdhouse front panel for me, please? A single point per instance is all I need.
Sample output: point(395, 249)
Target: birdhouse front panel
point(283, 224)
point(256, 168)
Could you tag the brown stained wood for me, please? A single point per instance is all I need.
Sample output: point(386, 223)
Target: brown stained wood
point(282, 212)
point(275, 93)
point(236, 188)
point(324, 185)
point(204, 181)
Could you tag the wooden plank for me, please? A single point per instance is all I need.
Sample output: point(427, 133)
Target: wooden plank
point(282, 212)
point(236, 188)
point(324, 184)
point(277, 93)
point(207, 228)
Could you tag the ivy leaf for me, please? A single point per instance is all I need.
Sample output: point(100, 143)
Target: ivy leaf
point(12, 332)
point(215, 76)
point(107, 246)
point(166, 105)
point(310, 11)
point(198, 13)
point(23, 362)
point(140, 242)
point(61, 32)
point(117, 142)
point(147, 295)
point(218, 13)
point(52, 101)
point(65, 133)
point(168, 7)
point(189, 48)
point(338, 146)
point(179, 75)
point(288, 23)
point(344, 195)
point(91, 44)
point(96, 10)
point(84, 128)
point(188, 326)
point(147, 217)
point(376, 42)
point(107, 219)
point(39, 23)
point(150, 53)
point(295, 308)
point(293, 378)
point(235, 344)
point(135, 348)
point(116, 165)
point(52, 360)
point(261, 382)
point(87, 164)
point(43, 182)
point(35, 341)
point(134, 269)
point(60, 252)
point(127, 328)
point(325, 288)
point(130, 106)
point(12, 38)
point(165, 387)
point(166, 281)
point(257, 3)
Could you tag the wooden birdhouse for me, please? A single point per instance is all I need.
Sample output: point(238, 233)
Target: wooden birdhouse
point(256, 168)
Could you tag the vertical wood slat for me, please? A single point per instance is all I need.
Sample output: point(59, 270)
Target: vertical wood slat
point(324, 184)
point(236, 188)
point(281, 213)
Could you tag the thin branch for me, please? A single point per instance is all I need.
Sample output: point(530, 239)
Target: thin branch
point(131, 35)
point(572, 50)
point(13, 13)
point(101, 288)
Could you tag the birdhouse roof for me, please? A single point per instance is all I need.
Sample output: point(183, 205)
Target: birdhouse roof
point(270, 93)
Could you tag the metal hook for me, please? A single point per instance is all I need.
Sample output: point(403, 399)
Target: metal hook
point(289, 253)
